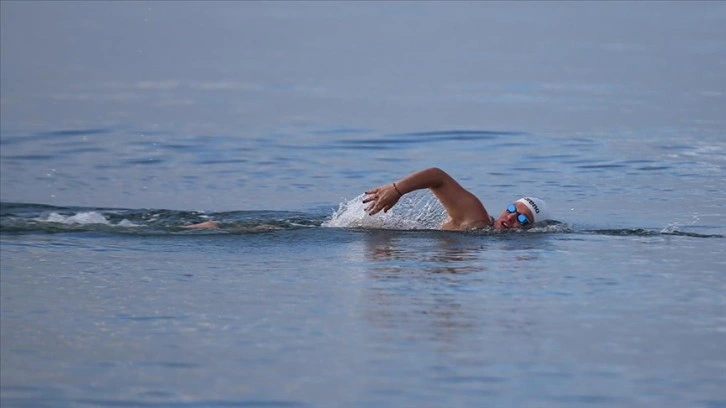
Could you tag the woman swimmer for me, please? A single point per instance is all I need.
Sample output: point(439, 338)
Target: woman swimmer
point(464, 210)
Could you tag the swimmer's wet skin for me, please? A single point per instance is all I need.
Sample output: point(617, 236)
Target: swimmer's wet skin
point(465, 211)
point(204, 225)
point(523, 213)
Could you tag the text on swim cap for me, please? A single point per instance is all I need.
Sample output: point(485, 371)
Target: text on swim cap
point(536, 209)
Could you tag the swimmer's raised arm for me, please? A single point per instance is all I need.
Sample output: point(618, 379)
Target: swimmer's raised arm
point(463, 208)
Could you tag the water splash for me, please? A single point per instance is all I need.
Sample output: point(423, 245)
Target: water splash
point(676, 227)
point(418, 210)
point(83, 218)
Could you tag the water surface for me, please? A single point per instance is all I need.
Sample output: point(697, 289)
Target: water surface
point(122, 123)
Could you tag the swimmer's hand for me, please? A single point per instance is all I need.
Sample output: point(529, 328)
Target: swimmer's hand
point(382, 198)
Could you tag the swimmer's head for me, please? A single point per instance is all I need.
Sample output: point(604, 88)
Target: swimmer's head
point(523, 213)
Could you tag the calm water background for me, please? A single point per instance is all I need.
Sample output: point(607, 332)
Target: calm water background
point(123, 121)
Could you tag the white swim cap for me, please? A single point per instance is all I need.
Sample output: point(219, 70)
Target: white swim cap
point(538, 207)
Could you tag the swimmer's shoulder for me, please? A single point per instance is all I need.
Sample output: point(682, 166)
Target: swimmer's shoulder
point(478, 224)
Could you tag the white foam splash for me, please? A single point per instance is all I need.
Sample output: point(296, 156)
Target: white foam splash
point(419, 210)
point(676, 226)
point(84, 218)
point(550, 227)
point(127, 223)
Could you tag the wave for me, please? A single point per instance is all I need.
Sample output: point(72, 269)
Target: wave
point(640, 232)
point(416, 211)
point(35, 218)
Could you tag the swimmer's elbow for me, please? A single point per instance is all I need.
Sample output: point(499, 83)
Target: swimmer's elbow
point(437, 174)
point(439, 177)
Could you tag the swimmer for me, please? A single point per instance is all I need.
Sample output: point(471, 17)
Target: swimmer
point(464, 209)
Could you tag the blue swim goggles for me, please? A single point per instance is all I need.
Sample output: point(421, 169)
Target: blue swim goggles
point(523, 220)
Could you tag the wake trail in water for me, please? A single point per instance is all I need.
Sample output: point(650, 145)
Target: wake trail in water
point(33, 218)
point(415, 212)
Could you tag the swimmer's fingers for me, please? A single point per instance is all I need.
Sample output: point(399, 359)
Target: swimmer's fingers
point(375, 207)
point(369, 207)
point(371, 194)
point(374, 210)
point(381, 198)
point(382, 204)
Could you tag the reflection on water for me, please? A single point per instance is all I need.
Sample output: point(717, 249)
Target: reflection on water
point(439, 252)
point(437, 288)
point(412, 296)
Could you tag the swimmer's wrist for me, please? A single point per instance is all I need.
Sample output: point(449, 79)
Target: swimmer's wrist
point(400, 194)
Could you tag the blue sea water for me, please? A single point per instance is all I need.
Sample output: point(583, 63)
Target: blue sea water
point(123, 122)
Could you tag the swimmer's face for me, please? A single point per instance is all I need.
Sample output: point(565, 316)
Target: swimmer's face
point(509, 220)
